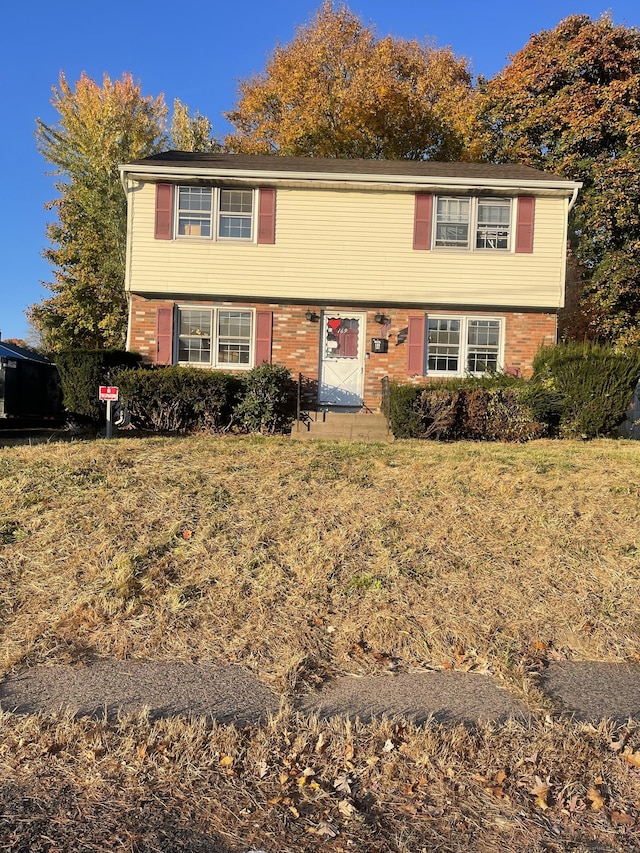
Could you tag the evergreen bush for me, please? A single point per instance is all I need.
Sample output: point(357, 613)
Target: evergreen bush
point(82, 372)
point(268, 400)
point(594, 382)
point(179, 399)
point(403, 417)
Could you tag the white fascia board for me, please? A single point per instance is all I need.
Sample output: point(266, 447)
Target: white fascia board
point(411, 182)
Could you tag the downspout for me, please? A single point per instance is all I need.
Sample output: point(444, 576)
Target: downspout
point(563, 275)
point(127, 289)
point(574, 198)
point(123, 178)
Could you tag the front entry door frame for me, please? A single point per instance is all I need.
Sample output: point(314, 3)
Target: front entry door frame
point(342, 358)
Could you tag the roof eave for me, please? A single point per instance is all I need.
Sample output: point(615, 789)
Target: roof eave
point(405, 181)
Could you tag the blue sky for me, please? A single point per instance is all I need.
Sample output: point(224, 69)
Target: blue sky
point(196, 52)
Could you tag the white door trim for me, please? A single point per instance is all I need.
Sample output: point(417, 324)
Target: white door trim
point(341, 375)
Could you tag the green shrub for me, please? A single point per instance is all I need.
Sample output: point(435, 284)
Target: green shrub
point(545, 403)
point(179, 399)
point(594, 383)
point(268, 400)
point(404, 419)
point(81, 374)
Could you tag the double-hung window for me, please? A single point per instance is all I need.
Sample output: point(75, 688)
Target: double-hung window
point(218, 212)
point(452, 222)
point(235, 217)
point(461, 345)
point(215, 337)
point(194, 211)
point(493, 224)
point(472, 223)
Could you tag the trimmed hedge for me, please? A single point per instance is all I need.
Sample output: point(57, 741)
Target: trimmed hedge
point(464, 410)
point(577, 390)
point(595, 383)
point(179, 399)
point(403, 415)
point(81, 374)
point(188, 399)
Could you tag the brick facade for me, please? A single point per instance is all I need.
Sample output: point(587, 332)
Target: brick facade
point(296, 340)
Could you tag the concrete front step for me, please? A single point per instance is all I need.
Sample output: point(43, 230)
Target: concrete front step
point(358, 426)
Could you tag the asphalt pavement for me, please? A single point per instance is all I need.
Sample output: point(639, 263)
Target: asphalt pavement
point(586, 690)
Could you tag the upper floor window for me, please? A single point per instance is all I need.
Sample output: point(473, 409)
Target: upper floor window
point(236, 214)
point(452, 222)
point(472, 223)
point(494, 223)
point(215, 213)
point(194, 211)
point(227, 214)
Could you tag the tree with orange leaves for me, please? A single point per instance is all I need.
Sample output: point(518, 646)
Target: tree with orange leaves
point(339, 91)
point(569, 103)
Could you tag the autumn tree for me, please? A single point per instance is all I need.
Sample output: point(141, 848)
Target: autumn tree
point(339, 91)
point(99, 127)
point(569, 103)
point(191, 133)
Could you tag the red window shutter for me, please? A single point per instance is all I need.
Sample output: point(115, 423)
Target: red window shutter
point(164, 336)
point(266, 215)
point(415, 346)
point(164, 211)
point(524, 225)
point(422, 221)
point(264, 324)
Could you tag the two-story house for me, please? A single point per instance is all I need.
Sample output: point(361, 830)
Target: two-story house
point(344, 271)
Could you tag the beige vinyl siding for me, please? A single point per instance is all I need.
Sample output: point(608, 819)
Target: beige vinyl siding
point(334, 245)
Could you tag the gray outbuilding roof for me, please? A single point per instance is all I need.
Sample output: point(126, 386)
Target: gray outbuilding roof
point(8, 350)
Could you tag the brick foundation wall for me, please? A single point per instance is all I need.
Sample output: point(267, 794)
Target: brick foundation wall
point(296, 340)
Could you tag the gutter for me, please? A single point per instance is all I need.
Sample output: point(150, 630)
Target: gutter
point(345, 178)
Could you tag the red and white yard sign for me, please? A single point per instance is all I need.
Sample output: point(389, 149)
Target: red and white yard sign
point(108, 392)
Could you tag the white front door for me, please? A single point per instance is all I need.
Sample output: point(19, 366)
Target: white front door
point(342, 358)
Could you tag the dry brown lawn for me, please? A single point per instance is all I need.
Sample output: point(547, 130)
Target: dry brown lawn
point(300, 561)
point(300, 785)
point(303, 560)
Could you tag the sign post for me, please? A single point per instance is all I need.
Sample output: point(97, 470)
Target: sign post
point(110, 394)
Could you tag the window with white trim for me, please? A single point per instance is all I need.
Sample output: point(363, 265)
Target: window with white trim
point(452, 222)
point(215, 337)
point(472, 223)
point(194, 211)
point(461, 345)
point(235, 217)
point(218, 212)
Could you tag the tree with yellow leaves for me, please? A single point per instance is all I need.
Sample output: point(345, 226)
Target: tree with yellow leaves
point(339, 91)
point(191, 133)
point(99, 128)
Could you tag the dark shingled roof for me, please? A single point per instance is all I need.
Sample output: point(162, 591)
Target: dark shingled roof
point(335, 166)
